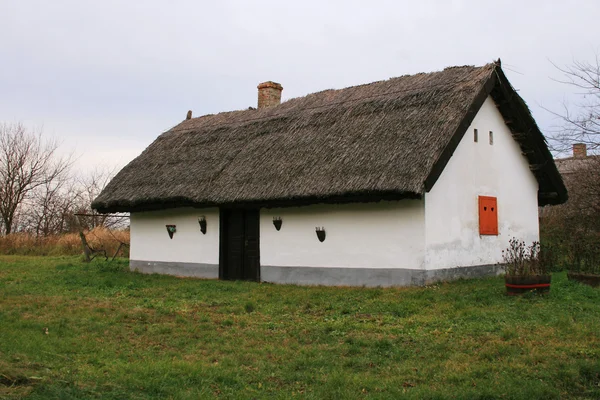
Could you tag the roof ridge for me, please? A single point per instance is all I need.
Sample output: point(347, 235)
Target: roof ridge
point(283, 111)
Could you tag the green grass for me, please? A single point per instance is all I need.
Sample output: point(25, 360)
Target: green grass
point(114, 334)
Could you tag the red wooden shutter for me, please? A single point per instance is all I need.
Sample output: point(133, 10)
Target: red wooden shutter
point(488, 215)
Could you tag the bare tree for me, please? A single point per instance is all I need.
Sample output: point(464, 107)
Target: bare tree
point(585, 192)
point(582, 123)
point(90, 187)
point(50, 207)
point(27, 162)
point(574, 227)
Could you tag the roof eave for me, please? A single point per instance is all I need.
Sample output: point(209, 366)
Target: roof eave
point(347, 198)
point(531, 140)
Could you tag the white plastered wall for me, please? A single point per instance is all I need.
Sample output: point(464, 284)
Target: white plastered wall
point(373, 235)
point(451, 207)
point(150, 240)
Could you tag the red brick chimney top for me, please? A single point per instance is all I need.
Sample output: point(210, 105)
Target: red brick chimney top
point(579, 150)
point(269, 94)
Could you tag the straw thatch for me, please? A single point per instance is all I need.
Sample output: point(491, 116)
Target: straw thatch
point(384, 140)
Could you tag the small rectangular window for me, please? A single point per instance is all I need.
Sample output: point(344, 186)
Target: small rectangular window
point(488, 215)
point(475, 135)
point(491, 137)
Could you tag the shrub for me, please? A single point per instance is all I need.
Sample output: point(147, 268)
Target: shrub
point(583, 252)
point(65, 244)
point(523, 260)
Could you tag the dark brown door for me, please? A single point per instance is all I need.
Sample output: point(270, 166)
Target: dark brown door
point(251, 270)
point(239, 242)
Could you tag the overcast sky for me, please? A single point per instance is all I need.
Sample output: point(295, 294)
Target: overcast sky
point(107, 77)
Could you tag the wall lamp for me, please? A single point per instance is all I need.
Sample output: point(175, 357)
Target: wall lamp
point(321, 234)
point(171, 229)
point(277, 222)
point(202, 222)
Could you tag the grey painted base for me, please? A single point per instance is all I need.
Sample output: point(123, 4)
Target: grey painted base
point(371, 277)
point(195, 270)
point(326, 276)
point(450, 274)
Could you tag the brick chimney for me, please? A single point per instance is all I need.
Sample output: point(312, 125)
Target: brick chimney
point(269, 94)
point(579, 150)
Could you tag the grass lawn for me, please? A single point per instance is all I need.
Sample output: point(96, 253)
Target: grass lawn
point(70, 331)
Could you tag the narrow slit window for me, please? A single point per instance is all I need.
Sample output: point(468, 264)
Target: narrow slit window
point(491, 137)
point(475, 138)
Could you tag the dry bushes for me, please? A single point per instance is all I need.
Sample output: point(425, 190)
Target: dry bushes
point(65, 244)
point(573, 228)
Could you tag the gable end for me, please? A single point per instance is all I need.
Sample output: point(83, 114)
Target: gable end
point(460, 131)
point(524, 131)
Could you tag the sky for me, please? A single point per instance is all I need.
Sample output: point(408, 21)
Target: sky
point(107, 77)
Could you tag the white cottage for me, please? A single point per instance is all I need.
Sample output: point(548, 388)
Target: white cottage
point(400, 182)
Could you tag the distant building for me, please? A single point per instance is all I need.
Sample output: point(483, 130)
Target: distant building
point(570, 166)
point(581, 175)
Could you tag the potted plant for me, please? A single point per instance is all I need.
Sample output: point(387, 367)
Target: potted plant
point(583, 256)
point(527, 267)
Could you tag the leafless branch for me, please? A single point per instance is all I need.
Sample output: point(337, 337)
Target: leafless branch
point(27, 163)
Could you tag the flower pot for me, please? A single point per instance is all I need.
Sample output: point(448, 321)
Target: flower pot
point(516, 285)
point(592, 280)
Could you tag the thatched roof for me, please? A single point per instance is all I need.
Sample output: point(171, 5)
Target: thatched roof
point(384, 140)
point(572, 165)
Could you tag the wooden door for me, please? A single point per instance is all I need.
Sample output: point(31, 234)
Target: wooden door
point(239, 245)
point(251, 269)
